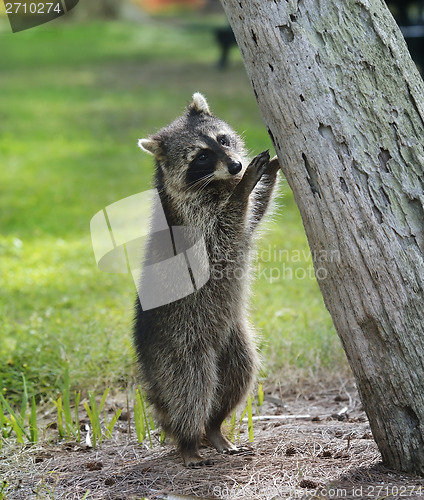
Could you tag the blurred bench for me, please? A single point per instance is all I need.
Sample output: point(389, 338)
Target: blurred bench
point(412, 30)
point(414, 37)
point(225, 39)
point(409, 14)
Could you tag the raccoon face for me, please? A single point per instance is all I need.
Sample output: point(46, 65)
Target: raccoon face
point(197, 149)
point(214, 155)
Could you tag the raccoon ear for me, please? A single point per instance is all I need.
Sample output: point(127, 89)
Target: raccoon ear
point(150, 146)
point(199, 105)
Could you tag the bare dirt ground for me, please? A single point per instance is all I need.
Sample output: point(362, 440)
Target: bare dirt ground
point(315, 445)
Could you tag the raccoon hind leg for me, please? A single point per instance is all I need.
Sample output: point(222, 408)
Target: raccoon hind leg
point(190, 454)
point(187, 387)
point(188, 447)
point(236, 368)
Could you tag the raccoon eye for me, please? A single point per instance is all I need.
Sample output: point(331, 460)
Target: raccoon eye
point(202, 157)
point(223, 140)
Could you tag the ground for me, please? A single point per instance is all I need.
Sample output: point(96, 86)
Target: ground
point(310, 445)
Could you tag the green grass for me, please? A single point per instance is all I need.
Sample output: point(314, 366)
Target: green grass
point(74, 99)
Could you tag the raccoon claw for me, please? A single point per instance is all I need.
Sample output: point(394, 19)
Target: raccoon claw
point(260, 162)
point(199, 464)
point(257, 167)
point(242, 450)
point(194, 460)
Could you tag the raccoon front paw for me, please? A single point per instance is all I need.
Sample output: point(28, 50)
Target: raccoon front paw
point(256, 169)
point(253, 173)
point(274, 165)
point(259, 163)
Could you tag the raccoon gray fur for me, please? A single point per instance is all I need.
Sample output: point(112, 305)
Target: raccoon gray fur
point(197, 355)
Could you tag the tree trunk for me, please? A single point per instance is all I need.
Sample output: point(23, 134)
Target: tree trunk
point(342, 101)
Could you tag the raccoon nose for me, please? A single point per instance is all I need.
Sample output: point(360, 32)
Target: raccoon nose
point(234, 167)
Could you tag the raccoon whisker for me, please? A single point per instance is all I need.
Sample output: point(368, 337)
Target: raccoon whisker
point(205, 184)
point(250, 153)
point(202, 182)
point(199, 181)
point(207, 181)
point(210, 174)
point(194, 185)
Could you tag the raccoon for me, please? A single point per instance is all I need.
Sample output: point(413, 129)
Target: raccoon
point(197, 355)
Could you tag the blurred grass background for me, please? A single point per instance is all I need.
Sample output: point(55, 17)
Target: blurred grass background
point(74, 99)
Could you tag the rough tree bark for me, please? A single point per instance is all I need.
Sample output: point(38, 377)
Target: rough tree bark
point(342, 101)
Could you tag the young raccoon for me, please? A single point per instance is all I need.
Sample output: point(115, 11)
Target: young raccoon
point(197, 354)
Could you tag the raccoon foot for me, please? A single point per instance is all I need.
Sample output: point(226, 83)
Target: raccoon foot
point(221, 443)
point(195, 460)
point(224, 446)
